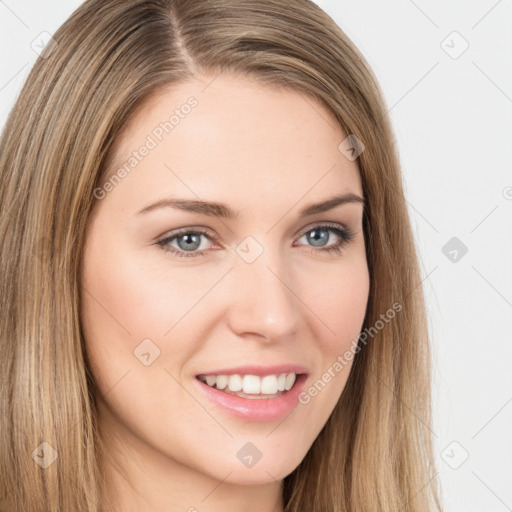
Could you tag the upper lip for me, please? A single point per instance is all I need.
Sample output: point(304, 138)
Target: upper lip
point(260, 370)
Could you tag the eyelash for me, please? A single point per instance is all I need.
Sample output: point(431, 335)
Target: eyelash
point(345, 234)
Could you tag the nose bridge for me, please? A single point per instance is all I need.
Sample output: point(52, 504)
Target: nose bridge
point(263, 301)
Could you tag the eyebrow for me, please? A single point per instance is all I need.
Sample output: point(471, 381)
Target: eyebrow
point(214, 209)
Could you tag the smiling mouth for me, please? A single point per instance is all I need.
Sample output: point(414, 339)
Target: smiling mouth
point(251, 386)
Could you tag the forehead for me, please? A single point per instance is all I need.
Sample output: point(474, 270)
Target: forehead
point(211, 136)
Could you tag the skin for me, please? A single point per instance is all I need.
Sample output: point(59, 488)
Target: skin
point(266, 153)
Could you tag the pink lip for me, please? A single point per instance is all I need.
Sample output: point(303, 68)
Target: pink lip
point(265, 409)
point(254, 369)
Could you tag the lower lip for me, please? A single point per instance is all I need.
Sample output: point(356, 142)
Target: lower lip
point(264, 409)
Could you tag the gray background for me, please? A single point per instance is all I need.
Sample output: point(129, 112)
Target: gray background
point(451, 110)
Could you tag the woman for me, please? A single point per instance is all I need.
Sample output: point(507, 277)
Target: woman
point(284, 365)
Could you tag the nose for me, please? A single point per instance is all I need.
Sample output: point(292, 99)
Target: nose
point(262, 297)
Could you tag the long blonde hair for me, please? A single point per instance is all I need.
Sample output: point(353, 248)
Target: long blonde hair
point(374, 453)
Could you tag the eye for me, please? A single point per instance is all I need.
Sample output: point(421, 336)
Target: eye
point(189, 240)
point(320, 234)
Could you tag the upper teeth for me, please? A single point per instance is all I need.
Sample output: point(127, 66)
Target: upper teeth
point(268, 385)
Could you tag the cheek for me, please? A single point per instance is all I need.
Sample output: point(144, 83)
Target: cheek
point(147, 291)
point(116, 315)
point(339, 300)
point(127, 298)
point(130, 298)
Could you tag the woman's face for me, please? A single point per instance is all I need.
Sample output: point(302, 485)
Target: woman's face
point(173, 292)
